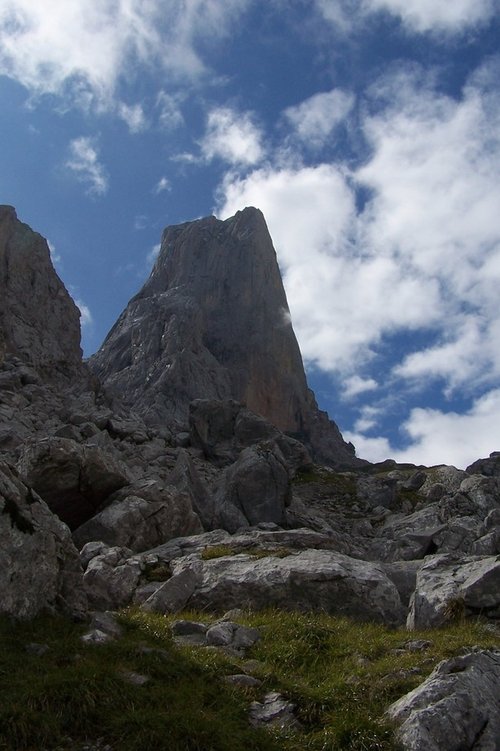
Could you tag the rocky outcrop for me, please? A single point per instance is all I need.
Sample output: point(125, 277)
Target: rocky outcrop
point(455, 709)
point(452, 586)
point(39, 566)
point(256, 488)
point(310, 580)
point(141, 517)
point(74, 480)
point(212, 322)
point(39, 322)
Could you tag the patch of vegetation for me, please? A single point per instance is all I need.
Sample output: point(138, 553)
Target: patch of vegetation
point(216, 551)
point(341, 675)
point(157, 572)
point(342, 482)
point(411, 496)
point(268, 553)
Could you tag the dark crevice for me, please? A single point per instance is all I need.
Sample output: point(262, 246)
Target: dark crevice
point(16, 517)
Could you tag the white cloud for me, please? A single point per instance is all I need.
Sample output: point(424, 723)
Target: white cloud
point(134, 116)
point(170, 115)
point(316, 118)
point(421, 16)
point(444, 437)
point(374, 449)
point(422, 256)
point(83, 49)
point(86, 318)
point(153, 254)
point(233, 137)
point(434, 176)
point(162, 184)
point(355, 385)
point(85, 165)
point(342, 296)
point(54, 255)
point(437, 15)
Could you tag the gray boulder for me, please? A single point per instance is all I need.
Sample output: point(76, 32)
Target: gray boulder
point(186, 479)
point(450, 586)
point(141, 523)
point(456, 709)
point(256, 488)
point(39, 566)
point(111, 579)
point(310, 580)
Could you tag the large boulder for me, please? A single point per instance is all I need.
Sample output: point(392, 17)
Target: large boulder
point(140, 517)
point(256, 488)
point(39, 565)
point(456, 709)
point(450, 586)
point(111, 578)
point(186, 479)
point(74, 480)
point(310, 580)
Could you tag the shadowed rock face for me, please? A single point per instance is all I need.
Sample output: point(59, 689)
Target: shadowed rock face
point(212, 322)
point(39, 322)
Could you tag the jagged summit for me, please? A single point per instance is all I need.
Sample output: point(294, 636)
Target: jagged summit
point(212, 321)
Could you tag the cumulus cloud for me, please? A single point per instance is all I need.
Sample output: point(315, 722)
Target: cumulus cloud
point(420, 260)
point(356, 385)
point(437, 15)
point(233, 137)
point(420, 16)
point(449, 437)
point(84, 164)
point(433, 177)
point(84, 49)
point(316, 118)
point(342, 296)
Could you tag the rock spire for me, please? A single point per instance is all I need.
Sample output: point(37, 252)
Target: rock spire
point(212, 321)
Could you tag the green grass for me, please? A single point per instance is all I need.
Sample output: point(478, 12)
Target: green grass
point(216, 551)
point(341, 675)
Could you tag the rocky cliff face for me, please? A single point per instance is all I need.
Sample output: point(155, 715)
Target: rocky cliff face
point(39, 322)
point(212, 321)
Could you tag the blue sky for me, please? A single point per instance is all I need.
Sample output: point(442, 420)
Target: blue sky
point(367, 131)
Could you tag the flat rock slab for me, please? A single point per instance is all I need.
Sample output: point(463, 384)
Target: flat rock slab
point(456, 709)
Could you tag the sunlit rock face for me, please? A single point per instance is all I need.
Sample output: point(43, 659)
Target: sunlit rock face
point(39, 322)
point(212, 322)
